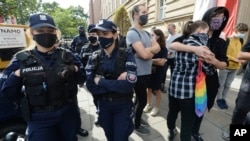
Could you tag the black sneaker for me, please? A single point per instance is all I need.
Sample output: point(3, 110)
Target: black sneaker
point(197, 137)
point(224, 104)
point(83, 132)
point(142, 130)
point(172, 133)
point(144, 123)
point(219, 103)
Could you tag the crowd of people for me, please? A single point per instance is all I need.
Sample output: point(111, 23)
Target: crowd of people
point(44, 78)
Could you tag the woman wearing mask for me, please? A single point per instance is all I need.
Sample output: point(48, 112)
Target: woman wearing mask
point(216, 18)
point(49, 77)
point(158, 62)
point(111, 74)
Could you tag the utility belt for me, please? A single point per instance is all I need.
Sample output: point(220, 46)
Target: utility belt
point(107, 76)
point(49, 108)
point(115, 97)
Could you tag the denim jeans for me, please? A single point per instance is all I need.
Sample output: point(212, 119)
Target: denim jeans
point(226, 77)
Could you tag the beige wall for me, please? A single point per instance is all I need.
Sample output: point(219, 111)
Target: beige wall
point(175, 11)
point(243, 14)
point(95, 8)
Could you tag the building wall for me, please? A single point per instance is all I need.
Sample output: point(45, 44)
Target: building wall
point(175, 11)
point(243, 12)
point(95, 11)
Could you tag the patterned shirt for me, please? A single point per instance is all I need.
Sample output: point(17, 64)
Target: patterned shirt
point(182, 83)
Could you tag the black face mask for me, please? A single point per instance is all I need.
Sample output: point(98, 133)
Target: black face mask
point(143, 19)
point(46, 40)
point(92, 39)
point(105, 42)
point(81, 33)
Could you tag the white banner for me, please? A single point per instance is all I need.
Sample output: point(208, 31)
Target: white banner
point(12, 37)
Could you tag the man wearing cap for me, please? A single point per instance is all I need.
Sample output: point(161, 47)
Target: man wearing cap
point(48, 76)
point(79, 41)
point(111, 74)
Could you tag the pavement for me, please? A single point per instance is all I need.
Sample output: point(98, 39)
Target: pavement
point(215, 122)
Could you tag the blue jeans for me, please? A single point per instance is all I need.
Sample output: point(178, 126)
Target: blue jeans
point(115, 119)
point(61, 125)
point(226, 77)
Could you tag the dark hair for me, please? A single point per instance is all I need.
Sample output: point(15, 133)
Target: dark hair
point(191, 27)
point(217, 11)
point(241, 27)
point(161, 39)
point(135, 9)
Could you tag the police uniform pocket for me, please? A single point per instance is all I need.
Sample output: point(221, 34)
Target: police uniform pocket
point(37, 95)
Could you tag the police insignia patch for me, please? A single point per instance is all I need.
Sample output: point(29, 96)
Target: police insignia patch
point(131, 77)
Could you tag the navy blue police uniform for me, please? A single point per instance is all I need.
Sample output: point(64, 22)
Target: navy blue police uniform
point(115, 96)
point(90, 47)
point(79, 41)
point(49, 81)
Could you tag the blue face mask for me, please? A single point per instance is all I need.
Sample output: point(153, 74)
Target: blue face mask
point(105, 42)
point(170, 32)
point(240, 35)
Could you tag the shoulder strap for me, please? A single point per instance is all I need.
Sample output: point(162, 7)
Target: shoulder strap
point(227, 41)
point(241, 41)
point(66, 55)
point(95, 56)
point(121, 59)
point(26, 57)
point(133, 29)
point(138, 32)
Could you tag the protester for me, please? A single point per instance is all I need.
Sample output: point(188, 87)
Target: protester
point(172, 35)
point(181, 95)
point(216, 18)
point(227, 75)
point(159, 61)
point(144, 48)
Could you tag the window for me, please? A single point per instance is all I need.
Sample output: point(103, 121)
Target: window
point(161, 9)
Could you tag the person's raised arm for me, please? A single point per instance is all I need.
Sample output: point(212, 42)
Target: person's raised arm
point(201, 51)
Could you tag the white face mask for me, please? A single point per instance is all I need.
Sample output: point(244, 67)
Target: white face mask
point(240, 35)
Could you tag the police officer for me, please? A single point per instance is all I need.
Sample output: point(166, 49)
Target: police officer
point(92, 46)
point(49, 77)
point(111, 74)
point(79, 41)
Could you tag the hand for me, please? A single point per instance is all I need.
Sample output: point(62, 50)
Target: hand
point(203, 52)
point(162, 62)
point(17, 73)
point(96, 80)
point(155, 46)
point(242, 62)
point(122, 76)
point(210, 59)
point(68, 72)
